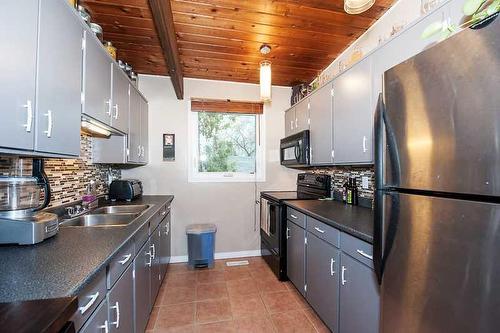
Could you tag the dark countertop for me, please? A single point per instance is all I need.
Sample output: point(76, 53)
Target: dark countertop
point(63, 265)
point(47, 315)
point(354, 220)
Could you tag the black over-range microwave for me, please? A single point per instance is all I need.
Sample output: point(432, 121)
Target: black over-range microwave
point(294, 150)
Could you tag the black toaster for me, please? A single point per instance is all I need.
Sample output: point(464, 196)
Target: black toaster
point(125, 189)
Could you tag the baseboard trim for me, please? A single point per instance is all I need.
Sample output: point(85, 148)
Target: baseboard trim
point(220, 255)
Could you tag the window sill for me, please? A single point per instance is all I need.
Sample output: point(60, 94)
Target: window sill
point(225, 179)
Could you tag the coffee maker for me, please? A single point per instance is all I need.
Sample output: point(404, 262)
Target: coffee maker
point(22, 220)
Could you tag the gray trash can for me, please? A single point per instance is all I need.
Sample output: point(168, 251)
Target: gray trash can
point(201, 245)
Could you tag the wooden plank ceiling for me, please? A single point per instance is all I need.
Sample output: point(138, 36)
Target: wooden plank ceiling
point(220, 39)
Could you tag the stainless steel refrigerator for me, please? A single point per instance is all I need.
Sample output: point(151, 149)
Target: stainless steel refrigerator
point(437, 198)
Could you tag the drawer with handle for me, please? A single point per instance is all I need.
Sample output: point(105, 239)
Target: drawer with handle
point(296, 217)
point(120, 263)
point(324, 231)
point(356, 248)
point(99, 321)
point(157, 218)
point(89, 299)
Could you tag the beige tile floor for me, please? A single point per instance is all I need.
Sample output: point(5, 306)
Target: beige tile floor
point(230, 299)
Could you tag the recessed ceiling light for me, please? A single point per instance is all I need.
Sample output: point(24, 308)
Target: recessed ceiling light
point(265, 49)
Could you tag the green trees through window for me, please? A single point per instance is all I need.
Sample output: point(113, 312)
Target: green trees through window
point(226, 142)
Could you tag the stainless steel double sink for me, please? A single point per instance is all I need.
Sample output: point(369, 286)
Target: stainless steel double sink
point(107, 216)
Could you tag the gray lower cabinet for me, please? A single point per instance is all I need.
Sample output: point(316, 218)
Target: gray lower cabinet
point(155, 265)
point(353, 115)
point(98, 322)
point(322, 278)
point(359, 297)
point(59, 79)
point(120, 99)
point(142, 287)
point(121, 303)
point(321, 126)
point(165, 245)
point(18, 46)
point(295, 253)
point(96, 81)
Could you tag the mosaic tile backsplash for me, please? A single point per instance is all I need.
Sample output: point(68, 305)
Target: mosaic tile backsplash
point(69, 177)
point(341, 174)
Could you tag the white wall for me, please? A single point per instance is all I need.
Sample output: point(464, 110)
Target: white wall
point(229, 205)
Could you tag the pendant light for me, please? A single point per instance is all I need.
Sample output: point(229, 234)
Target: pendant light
point(265, 75)
point(357, 6)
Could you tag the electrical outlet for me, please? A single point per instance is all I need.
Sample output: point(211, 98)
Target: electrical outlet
point(364, 182)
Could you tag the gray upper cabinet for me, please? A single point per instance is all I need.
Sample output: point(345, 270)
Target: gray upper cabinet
point(144, 130)
point(302, 116)
point(120, 99)
point(321, 126)
point(18, 46)
point(322, 278)
point(59, 79)
point(359, 297)
point(134, 131)
point(97, 81)
point(290, 121)
point(295, 248)
point(121, 303)
point(353, 115)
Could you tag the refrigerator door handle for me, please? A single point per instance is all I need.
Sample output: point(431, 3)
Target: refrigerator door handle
point(378, 230)
point(382, 120)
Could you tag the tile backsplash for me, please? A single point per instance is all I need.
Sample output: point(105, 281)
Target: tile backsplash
point(69, 177)
point(340, 175)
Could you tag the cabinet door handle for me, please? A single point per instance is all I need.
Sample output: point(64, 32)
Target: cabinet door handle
point(29, 115)
point(293, 216)
point(163, 213)
point(126, 258)
point(48, 132)
point(105, 326)
point(153, 255)
point(150, 259)
point(332, 263)
point(139, 151)
point(167, 227)
point(116, 111)
point(365, 149)
point(343, 275)
point(117, 309)
point(87, 306)
point(364, 254)
point(296, 123)
point(109, 107)
point(319, 230)
point(142, 149)
point(287, 233)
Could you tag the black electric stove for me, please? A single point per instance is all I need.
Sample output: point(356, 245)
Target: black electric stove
point(273, 217)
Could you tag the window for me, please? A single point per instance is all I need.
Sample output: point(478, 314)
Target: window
point(225, 147)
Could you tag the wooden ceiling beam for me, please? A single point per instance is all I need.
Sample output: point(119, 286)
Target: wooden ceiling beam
point(164, 22)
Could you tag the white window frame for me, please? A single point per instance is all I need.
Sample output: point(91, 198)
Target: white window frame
point(195, 176)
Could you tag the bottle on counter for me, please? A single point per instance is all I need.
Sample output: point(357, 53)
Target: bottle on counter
point(354, 192)
point(349, 192)
point(344, 192)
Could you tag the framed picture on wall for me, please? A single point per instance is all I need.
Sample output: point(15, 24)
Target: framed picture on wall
point(169, 147)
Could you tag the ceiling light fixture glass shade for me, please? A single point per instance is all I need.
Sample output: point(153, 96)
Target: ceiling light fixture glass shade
point(265, 81)
point(357, 6)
